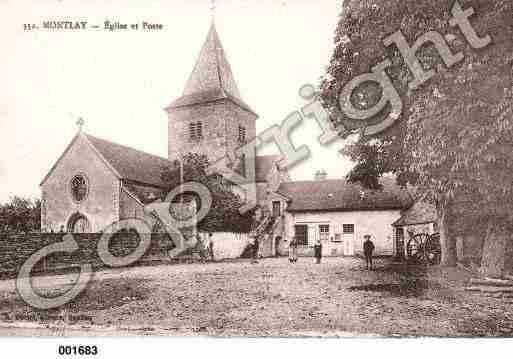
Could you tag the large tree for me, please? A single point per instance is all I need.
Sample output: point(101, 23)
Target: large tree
point(20, 215)
point(224, 215)
point(453, 136)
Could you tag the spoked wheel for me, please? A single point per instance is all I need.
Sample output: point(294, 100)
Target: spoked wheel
point(415, 248)
point(433, 250)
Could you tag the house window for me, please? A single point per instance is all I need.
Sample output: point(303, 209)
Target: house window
point(338, 237)
point(276, 209)
point(399, 241)
point(195, 131)
point(79, 188)
point(242, 134)
point(324, 231)
point(348, 228)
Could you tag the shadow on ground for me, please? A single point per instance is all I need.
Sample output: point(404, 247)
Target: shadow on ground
point(412, 281)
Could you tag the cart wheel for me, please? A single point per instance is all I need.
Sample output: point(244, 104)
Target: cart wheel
point(433, 249)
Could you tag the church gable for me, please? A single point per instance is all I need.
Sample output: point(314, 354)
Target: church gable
point(79, 150)
point(80, 185)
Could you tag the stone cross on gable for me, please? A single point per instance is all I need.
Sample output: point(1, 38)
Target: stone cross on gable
point(80, 123)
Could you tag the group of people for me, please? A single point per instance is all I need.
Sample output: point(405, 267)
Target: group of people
point(206, 249)
point(368, 249)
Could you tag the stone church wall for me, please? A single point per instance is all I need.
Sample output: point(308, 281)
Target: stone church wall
point(100, 207)
point(220, 121)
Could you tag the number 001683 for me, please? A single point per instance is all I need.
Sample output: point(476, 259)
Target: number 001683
point(78, 350)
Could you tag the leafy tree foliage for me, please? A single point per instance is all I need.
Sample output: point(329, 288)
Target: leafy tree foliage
point(20, 215)
point(453, 139)
point(224, 215)
point(358, 46)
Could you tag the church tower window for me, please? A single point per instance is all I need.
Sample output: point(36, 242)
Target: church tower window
point(79, 188)
point(242, 134)
point(195, 131)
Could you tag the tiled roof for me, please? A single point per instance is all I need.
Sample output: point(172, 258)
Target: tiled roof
point(145, 194)
point(419, 213)
point(212, 77)
point(338, 195)
point(263, 165)
point(131, 164)
point(138, 166)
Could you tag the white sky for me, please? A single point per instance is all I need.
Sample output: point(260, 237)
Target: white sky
point(119, 82)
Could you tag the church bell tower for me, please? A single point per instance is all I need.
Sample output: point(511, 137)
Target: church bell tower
point(210, 117)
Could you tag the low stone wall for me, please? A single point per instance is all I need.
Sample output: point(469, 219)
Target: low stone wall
point(16, 249)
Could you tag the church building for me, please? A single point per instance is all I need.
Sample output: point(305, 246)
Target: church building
point(96, 182)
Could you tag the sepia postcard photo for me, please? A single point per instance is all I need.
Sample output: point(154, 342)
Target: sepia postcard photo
point(249, 169)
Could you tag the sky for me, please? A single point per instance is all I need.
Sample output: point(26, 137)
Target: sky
point(119, 82)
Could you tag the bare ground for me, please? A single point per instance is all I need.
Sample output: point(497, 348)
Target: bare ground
point(271, 298)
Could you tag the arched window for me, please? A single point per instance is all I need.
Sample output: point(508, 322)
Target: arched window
point(79, 187)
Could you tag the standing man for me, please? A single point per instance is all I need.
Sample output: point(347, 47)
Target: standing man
point(368, 248)
point(211, 246)
point(256, 245)
point(318, 251)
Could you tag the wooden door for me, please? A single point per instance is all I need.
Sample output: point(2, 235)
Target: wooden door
point(348, 239)
point(276, 209)
point(301, 232)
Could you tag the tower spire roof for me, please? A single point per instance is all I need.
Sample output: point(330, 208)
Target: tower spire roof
point(211, 78)
point(212, 69)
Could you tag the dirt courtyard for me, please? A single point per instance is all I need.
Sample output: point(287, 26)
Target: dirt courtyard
point(271, 298)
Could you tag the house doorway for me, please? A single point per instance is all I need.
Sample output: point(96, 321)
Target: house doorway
point(277, 243)
point(348, 239)
point(399, 242)
point(276, 209)
point(78, 223)
point(301, 232)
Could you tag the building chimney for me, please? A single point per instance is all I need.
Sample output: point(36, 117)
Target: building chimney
point(321, 175)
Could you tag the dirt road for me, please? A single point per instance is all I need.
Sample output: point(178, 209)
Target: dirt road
point(271, 298)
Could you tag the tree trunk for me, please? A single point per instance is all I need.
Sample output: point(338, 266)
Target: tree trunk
point(494, 262)
point(447, 242)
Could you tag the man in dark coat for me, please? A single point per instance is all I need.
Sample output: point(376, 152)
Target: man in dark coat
point(211, 246)
point(318, 251)
point(368, 248)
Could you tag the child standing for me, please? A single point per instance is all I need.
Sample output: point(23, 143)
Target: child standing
point(293, 250)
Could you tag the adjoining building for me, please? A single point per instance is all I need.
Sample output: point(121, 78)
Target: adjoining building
point(340, 214)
